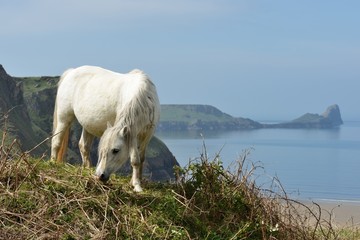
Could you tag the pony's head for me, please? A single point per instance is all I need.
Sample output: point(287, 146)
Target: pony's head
point(113, 151)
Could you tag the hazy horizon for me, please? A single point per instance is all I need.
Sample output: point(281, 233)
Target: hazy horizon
point(263, 60)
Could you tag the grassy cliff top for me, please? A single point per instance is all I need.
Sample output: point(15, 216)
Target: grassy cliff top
point(42, 200)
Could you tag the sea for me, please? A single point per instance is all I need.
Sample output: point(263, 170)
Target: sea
point(309, 164)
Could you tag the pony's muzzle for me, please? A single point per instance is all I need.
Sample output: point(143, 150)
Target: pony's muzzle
point(104, 178)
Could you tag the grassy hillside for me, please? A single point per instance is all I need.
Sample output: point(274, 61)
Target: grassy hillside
point(200, 117)
point(192, 113)
point(42, 200)
point(36, 84)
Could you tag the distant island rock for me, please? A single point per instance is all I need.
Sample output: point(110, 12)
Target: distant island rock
point(177, 117)
point(331, 118)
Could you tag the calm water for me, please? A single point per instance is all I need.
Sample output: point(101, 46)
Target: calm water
point(311, 164)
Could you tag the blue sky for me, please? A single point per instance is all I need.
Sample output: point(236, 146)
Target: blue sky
point(265, 60)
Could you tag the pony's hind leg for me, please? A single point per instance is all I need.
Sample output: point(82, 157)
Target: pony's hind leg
point(85, 143)
point(61, 130)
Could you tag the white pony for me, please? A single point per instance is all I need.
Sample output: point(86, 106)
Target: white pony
point(122, 109)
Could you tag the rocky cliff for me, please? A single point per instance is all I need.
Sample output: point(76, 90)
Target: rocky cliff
point(14, 113)
point(30, 103)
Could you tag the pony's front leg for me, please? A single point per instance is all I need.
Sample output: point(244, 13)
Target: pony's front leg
point(136, 169)
point(142, 159)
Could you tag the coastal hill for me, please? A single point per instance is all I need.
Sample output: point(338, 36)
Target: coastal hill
point(205, 117)
point(200, 117)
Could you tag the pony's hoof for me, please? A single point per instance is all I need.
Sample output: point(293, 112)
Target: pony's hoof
point(137, 188)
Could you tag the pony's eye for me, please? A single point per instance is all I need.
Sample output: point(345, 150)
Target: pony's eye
point(115, 150)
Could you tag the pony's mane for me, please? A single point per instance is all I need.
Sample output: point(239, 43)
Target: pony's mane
point(139, 104)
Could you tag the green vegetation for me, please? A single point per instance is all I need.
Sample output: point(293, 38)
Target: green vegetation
point(191, 113)
point(37, 84)
point(175, 117)
point(42, 200)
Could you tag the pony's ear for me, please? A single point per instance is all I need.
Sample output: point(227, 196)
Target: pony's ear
point(125, 132)
point(108, 125)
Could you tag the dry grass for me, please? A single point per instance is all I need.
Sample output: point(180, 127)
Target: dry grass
point(41, 200)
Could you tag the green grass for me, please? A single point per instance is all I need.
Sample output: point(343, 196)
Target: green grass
point(36, 84)
point(43, 200)
point(40, 199)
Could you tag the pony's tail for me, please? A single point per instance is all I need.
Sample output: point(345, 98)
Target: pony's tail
point(63, 147)
point(65, 139)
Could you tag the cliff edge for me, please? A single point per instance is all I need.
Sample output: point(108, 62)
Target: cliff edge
point(14, 113)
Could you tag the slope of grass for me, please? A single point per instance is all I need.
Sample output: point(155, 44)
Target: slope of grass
point(42, 200)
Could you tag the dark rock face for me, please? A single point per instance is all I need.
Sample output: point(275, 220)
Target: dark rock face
point(332, 115)
point(19, 123)
point(159, 161)
point(10, 91)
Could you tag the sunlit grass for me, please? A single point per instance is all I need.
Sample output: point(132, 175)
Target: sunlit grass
point(43, 200)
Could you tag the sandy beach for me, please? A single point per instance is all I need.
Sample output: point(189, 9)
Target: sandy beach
point(343, 213)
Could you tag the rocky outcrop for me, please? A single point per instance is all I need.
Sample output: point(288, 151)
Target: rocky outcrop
point(331, 118)
point(13, 107)
point(159, 161)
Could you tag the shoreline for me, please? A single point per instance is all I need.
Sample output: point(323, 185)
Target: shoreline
point(343, 212)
